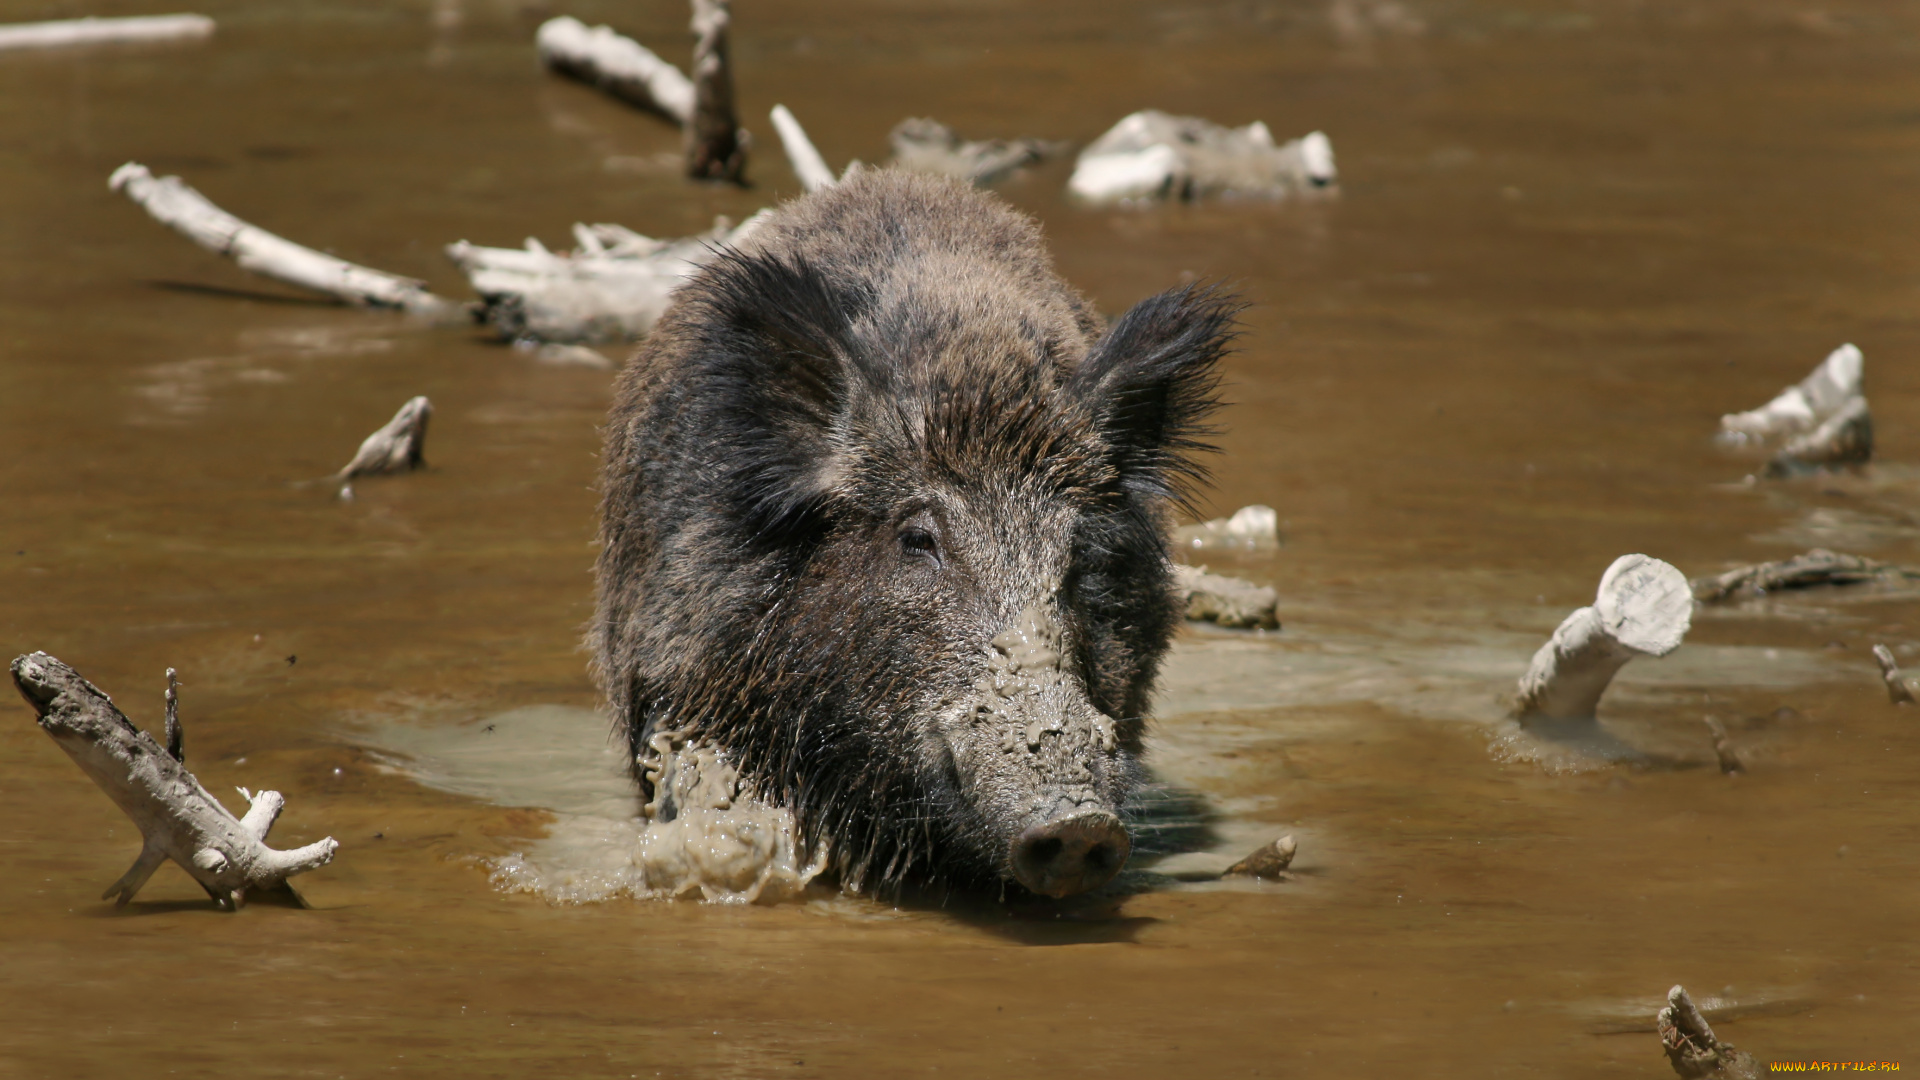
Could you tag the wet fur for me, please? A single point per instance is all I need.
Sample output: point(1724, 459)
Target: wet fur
point(895, 353)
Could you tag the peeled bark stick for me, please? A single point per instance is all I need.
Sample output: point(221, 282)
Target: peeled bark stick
point(396, 448)
point(1800, 407)
point(228, 856)
point(1897, 690)
point(924, 145)
point(1643, 609)
point(1813, 568)
point(1693, 1049)
point(611, 288)
point(96, 31)
point(808, 165)
point(621, 66)
point(716, 147)
point(189, 213)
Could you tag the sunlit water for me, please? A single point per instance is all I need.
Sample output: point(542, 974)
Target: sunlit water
point(1569, 238)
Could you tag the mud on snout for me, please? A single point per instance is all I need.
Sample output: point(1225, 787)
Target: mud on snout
point(1041, 766)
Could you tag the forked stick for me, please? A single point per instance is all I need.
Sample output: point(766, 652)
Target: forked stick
point(228, 856)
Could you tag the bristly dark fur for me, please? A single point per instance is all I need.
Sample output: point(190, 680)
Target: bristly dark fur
point(892, 358)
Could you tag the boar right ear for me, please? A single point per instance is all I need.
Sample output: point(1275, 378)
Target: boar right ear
point(778, 362)
point(1151, 383)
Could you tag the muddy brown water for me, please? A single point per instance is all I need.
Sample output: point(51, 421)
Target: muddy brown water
point(1571, 235)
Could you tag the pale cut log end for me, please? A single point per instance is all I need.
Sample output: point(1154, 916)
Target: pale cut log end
point(1644, 607)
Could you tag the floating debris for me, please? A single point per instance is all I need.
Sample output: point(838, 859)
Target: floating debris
point(1269, 863)
point(1643, 608)
point(179, 820)
point(1251, 528)
point(924, 145)
point(1153, 155)
point(1821, 422)
point(1227, 601)
point(1814, 568)
point(1692, 1047)
point(613, 287)
point(398, 447)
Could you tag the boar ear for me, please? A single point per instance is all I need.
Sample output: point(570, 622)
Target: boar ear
point(779, 364)
point(1151, 383)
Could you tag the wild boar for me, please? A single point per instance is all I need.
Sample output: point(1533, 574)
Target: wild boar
point(885, 516)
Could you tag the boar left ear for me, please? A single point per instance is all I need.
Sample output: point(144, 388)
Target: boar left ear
point(1151, 383)
point(780, 363)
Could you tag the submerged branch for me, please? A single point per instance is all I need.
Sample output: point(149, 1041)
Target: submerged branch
point(1693, 1049)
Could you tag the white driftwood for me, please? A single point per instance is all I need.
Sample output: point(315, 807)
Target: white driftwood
point(619, 65)
point(613, 287)
point(228, 856)
point(924, 145)
point(1644, 608)
point(808, 165)
point(1251, 528)
point(96, 31)
point(1224, 600)
point(716, 147)
point(191, 214)
point(1801, 407)
point(1820, 422)
point(398, 447)
point(1154, 155)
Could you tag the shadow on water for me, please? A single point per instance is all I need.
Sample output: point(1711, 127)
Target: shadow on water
point(234, 292)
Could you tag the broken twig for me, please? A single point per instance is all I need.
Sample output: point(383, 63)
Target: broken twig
point(1898, 691)
point(1692, 1047)
point(716, 147)
point(1643, 608)
point(62, 33)
point(1730, 763)
point(808, 165)
point(1813, 568)
point(1821, 422)
point(398, 447)
point(191, 214)
point(1270, 862)
point(179, 820)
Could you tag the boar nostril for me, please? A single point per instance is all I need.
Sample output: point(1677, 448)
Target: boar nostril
point(1070, 855)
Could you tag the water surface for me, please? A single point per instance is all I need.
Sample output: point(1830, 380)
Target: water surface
point(1571, 235)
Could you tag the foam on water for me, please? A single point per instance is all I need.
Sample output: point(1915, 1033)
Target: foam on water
point(702, 833)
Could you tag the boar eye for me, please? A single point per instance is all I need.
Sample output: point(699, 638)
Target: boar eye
point(915, 540)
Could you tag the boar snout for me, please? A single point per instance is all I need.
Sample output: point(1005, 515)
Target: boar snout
point(1070, 855)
